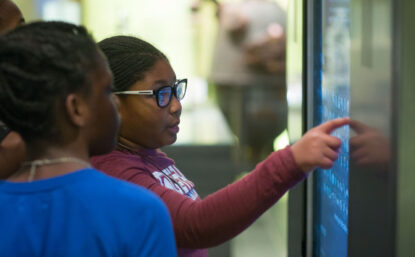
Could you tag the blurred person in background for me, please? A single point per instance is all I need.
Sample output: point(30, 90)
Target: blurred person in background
point(248, 72)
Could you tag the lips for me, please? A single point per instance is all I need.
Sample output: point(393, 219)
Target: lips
point(175, 128)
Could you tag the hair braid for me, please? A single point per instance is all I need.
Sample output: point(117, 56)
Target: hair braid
point(40, 63)
point(129, 59)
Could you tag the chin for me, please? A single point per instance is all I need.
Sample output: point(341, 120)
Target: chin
point(174, 139)
point(170, 141)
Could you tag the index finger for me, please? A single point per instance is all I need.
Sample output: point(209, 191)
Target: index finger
point(331, 125)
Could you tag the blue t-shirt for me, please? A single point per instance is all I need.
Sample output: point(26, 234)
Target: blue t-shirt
point(84, 213)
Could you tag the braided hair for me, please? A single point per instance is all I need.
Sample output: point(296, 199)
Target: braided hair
point(40, 64)
point(129, 59)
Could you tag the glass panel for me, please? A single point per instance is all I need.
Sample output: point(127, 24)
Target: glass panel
point(371, 202)
point(331, 194)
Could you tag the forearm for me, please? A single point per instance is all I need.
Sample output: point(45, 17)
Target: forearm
point(227, 212)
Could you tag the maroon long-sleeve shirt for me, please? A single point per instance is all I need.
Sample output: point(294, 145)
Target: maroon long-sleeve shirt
point(218, 217)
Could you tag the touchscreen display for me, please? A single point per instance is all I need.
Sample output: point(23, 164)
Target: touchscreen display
point(331, 194)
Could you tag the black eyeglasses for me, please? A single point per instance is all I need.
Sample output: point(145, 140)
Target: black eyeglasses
point(163, 94)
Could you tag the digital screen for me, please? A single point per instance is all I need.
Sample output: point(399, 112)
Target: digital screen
point(332, 94)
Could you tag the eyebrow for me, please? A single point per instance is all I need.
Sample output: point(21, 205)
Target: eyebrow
point(161, 81)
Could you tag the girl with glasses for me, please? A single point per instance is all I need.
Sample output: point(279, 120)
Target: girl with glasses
point(149, 97)
point(55, 91)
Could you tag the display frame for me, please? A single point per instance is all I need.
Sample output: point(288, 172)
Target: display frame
point(382, 196)
point(361, 201)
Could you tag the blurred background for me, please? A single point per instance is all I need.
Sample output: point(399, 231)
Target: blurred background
point(234, 53)
point(244, 60)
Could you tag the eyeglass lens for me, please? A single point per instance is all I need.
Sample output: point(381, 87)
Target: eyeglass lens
point(181, 90)
point(164, 95)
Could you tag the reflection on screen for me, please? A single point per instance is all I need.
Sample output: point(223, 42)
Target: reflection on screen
point(331, 192)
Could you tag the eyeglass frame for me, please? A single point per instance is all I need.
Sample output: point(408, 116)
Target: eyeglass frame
point(155, 92)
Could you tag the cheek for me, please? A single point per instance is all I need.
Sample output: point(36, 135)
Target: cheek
point(105, 124)
point(135, 120)
point(153, 124)
point(115, 117)
point(144, 122)
point(109, 118)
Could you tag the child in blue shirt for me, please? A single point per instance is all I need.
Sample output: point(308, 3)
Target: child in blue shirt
point(55, 91)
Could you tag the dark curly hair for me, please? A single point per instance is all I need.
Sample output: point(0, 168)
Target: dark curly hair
point(129, 58)
point(40, 64)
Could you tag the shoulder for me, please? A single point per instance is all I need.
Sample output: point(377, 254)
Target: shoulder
point(114, 156)
point(114, 190)
point(117, 162)
point(122, 164)
point(162, 158)
point(140, 202)
point(116, 186)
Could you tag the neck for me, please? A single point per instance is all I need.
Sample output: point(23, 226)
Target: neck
point(51, 162)
point(53, 152)
point(128, 144)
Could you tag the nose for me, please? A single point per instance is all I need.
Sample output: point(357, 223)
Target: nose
point(175, 106)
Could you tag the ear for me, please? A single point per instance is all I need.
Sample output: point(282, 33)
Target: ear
point(77, 109)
